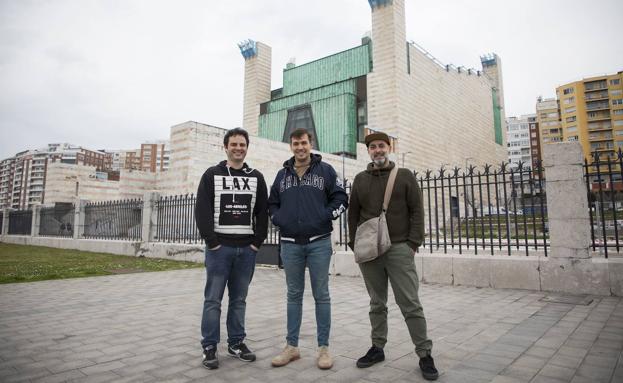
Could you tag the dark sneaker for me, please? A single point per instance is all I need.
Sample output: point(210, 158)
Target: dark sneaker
point(427, 365)
point(210, 357)
point(241, 351)
point(373, 356)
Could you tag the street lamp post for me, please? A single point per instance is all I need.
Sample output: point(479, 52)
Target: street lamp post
point(403, 158)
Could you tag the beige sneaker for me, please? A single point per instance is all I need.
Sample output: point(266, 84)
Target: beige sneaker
point(325, 361)
point(289, 354)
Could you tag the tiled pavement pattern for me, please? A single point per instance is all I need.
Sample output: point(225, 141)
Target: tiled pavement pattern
point(144, 327)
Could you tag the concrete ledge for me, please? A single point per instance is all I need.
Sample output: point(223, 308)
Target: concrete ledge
point(178, 252)
point(595, 275)
point(575, 275)
point(436, 268)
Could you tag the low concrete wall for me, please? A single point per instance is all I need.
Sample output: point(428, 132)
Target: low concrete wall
point(178, 252)
point(595, 275)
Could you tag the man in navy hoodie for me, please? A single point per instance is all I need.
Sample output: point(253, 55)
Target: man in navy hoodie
point(305, 197)
point(232, 220)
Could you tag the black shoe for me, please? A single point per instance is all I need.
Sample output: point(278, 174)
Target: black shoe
point(373, 356)
point(210, 357)
point(427, 365)
point(241, 351)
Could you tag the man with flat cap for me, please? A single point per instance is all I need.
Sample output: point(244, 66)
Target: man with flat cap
point(405, 222)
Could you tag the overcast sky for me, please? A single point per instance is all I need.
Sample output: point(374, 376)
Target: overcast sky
point(111, 74)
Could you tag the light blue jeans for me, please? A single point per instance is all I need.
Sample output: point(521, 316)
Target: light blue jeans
point(317, 257)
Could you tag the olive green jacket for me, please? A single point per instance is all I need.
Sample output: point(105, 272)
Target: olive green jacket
point(405, 212)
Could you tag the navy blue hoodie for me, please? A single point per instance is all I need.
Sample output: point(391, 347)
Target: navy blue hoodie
point(304, 207)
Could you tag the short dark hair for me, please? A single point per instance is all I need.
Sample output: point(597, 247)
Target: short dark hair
point(300, 132)
point(235, 132)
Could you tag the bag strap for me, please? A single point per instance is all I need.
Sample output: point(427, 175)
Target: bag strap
point(390, 187)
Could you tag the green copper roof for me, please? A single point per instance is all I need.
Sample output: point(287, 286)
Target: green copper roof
point(341, 66)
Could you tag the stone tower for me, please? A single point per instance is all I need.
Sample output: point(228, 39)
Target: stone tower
point(389, 71)
point(257, 67)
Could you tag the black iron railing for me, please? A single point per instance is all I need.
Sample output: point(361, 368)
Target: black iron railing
point(604, 186)
point(20, 222)
point(176, 219)
point(57, 221)
point(503, 209)
point(481, 211)
point(114, 219)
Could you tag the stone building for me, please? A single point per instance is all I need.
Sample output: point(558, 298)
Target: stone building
point(438, 114)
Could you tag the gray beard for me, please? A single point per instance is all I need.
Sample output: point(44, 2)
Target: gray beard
point(380, 162)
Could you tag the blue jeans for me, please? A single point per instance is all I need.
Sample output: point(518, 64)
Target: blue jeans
point(232, 267)
point(317, 257)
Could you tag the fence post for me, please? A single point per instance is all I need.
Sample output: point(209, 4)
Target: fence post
point(567, 202)
point(150, 216)
point(35, 221)
point(5, 221)
point(79, 217)
point(569, 268)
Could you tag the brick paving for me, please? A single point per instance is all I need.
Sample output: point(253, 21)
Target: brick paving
point(145, 327)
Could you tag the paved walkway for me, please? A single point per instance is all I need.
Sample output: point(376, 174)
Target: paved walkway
point(144, 327)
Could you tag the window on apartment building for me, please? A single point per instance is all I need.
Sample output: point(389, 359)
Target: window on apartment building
point(570, 119)
point(567, 91)
point(553, 131)
point(617, 101)
point(569, 100)
point(618, 112)
point(570, 110)
point(616, 92)
point(546, 140)
point(615, 81)
point(533, 134)
point(572, 129)
point(572, 138)
point(534, 143)
point(618, 123)
point(552, 115)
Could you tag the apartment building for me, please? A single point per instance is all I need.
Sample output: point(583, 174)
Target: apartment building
point(592, 113)
point(548, 118)
point(153, 156)
point(518, 141)
point(535, 141)
point(23, 176)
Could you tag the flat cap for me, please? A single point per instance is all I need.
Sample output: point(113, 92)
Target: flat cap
point(377, 136)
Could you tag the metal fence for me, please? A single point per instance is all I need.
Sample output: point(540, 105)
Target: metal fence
point(176, 221)
point(604, 186)
point(114, 219)
point(57, 221)
point(481, 211)
point(20, 222)
point(484, 210)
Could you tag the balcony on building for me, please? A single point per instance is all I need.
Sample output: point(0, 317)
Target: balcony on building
point(598, 116)
point(595, 86)
point(600, 137)
point(598, 126)
point(596, 96)
point(597, 105)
